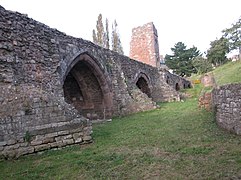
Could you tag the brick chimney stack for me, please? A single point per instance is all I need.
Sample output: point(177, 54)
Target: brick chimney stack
point(144, 45)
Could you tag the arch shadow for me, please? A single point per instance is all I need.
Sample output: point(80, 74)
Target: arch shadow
point(87, 87)
point(142, 81)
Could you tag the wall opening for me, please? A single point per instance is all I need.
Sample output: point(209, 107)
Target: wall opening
point(177, 87)
point(143, 86)
point(86, 89)
point(167, 79)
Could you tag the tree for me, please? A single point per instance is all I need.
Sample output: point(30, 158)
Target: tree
point(116, 42)
point(99, 34)
point(181, 60)
point(94, 37)
point(217, 52)
point(107, 39)
point(233, 35)
point(202, 65)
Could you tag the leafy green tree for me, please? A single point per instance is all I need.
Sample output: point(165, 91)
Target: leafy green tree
point(201, 64)
point(217, 52)
point(233, 35)
point(181, 60)
point(116, 42)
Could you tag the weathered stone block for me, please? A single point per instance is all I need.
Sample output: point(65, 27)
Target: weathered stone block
point(62, 133)
point(68, 141)
point(41, 147)
point(25, 150)
point(11, 141)
point(50, 135)
point(11, 147)
point(78, 140)
point(3, 143)
point(36, 142)
point(48, 140)
point(76, 135)
point(67, 137)
point(87, 138)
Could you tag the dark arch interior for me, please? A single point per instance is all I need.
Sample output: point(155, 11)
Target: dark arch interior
point(167, 80)
point(143, 86)
point(83, 90)
point(177, 87)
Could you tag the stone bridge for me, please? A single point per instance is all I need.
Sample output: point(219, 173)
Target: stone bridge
point(53, 85)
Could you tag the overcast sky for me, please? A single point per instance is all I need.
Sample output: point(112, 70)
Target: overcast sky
point(194, 22)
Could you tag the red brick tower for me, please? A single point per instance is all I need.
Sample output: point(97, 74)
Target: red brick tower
point(144, 45)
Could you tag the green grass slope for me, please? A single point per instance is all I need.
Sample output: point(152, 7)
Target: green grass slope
point(225, 74)
point(228, 73)
point(176, 141)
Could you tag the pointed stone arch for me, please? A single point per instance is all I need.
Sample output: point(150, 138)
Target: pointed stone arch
point(142, 81)
point(87, 87)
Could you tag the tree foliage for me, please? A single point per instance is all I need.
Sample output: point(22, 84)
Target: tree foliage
point(101, 35)
point(100, 31)
point(107, 38)
point(201, 64)
point(217, 52)
point(233, 34)
point(116, 42)
point(94, 36)
point(181, 60)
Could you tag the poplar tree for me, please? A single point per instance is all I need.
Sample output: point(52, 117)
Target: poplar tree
point(116, 42)
point(107, 38)
point(98, 35)
point(101, 35)
point(94, 37)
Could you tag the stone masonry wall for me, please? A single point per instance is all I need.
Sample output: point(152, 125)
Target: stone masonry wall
point(227, 104)
point(34, 63)
point(31, 121)
point(144, 45)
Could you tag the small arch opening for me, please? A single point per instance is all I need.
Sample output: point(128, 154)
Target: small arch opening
point(167, 80)
point(143, 86)
point(177, 87)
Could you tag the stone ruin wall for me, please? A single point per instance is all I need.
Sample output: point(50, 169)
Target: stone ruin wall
point(227, 106)
point(35, 62)
point(144, 45)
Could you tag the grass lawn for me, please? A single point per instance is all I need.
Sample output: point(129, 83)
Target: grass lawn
point(176, 141)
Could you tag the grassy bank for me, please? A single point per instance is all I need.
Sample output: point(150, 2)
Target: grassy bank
point(225, 74)
point(177, 141)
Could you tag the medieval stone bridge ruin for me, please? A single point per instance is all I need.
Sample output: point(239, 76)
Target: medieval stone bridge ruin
point(53, 85)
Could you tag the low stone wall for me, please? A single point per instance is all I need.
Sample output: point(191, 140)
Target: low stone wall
point(32, 120)
point(205, 101)
point(227, 104)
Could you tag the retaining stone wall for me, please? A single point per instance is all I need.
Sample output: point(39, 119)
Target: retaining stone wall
point(227, 104)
